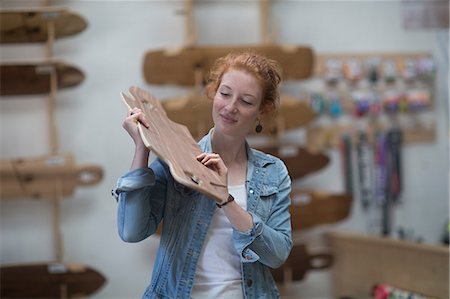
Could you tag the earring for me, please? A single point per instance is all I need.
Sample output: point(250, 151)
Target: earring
point(259, 127)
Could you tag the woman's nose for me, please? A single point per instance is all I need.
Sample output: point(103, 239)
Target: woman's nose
point(232, 107)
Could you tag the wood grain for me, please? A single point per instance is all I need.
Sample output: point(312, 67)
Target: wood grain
point(312, 208)
point(49, 281)
point(174, 144)
point(45, 176)
point(178, 66)
point(26, 78)
point(31, 25)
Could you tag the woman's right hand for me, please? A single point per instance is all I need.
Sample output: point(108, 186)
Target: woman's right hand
point(135, 115)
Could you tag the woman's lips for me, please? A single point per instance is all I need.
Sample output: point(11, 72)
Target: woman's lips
point(228, 119)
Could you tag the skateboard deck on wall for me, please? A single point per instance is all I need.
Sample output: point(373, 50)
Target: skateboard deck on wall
point(299, 262)
point(31, 25)
point(29, 78)
point(194, 112)
point(49, 281)
point(179, 66)
point(313, 208)
point(45, 177)
point(174, 144)
point(299, 161)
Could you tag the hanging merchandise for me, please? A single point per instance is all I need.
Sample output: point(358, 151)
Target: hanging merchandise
point(317, 102)
point(333, 71)
point(408, 69)
point(394, 143)
point(385, 291)
point(346, 154)
point(426, 69)
point(352, 70)
point(389, 71)
point(334, 103)
point(418, 99)
point(393, 101)
point(364, 169)
point(372, 66)
point(380, 152)
point(365, 102)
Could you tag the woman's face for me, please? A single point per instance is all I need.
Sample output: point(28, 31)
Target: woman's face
point(237, 103)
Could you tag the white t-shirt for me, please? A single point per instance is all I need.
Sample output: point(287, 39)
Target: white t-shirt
point(218, 273)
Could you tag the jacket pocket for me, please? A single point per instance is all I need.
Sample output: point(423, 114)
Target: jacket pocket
point(181, 197)
point(266, 198)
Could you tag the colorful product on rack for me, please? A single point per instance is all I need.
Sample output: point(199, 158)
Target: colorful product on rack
point(333, 71)
point(389, 71)
point(364, 169)
point(408, 69)
point(353, 70)
point(317, 102)
point(418, 99)
point(394, 143)
point(335, 107)
point(372, 66)
point(393, 101)
point(380, 167)
point(426, 69)
point(346, 154)
point(385, 291)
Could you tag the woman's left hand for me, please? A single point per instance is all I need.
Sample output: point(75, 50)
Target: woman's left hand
point(214, 162)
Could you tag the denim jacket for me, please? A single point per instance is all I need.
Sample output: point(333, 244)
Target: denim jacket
point(147, 196)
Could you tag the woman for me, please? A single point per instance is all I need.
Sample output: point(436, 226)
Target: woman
point(209, 250)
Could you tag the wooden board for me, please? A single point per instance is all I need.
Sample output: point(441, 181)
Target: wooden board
point(31, 25)
point(299, 262)
point(174, 144)
point(419, 268)
point(46, 176)
point(313, 208)
point(179, 66)
point(194, 111)
point(49, 281)
point(299, 161)
point(34, 77)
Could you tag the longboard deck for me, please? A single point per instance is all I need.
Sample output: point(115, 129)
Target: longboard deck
point(194, 112)
point(29, 78)
point(299, 262)
point(311, 209)
point(299, 161)
point(31, 25)
point(45, 177)
point(179, 66)
point(49, 281)
point(174, 144)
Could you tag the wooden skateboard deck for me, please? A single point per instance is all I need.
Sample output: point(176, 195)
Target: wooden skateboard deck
point(174, 144)
point(299, 262)
point(310, 209)
point(49, 281)
point(45, 176)
point(194, 112)
point(31, 25)
point(299, 161)
point(179, 66)
point(34, 77)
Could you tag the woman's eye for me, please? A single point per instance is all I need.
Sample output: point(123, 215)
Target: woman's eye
point(247, 102)
point(224, 94)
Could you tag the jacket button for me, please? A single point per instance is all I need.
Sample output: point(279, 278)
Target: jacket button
point(249, 283)
point(251, 191)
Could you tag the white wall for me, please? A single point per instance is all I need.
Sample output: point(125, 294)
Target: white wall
point(110, 52)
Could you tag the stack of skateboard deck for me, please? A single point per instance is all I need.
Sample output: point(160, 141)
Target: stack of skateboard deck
point(53, 176)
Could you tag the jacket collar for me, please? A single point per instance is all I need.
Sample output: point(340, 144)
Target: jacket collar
point(255, 157)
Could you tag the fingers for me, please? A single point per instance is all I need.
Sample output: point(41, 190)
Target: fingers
point(136, 115)
point(213, 161)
